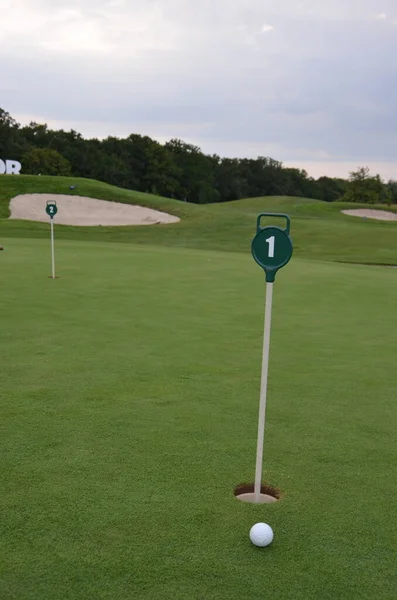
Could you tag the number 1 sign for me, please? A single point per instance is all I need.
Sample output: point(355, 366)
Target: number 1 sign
point(272, 246)
point(272, 250)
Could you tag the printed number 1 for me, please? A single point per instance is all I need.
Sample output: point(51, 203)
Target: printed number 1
point(271, 241)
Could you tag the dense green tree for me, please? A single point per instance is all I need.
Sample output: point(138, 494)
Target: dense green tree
point(197, 172)
point(37, 135)
point(331, 189)
point(12, 141)
point(363, 187)
point(391, 192)
point(298, 183)
point(45, 161)
point(230, 181)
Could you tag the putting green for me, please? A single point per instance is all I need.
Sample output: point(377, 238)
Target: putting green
point(129, 398)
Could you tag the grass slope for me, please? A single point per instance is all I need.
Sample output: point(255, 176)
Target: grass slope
point(319, 230)
point(129, 400)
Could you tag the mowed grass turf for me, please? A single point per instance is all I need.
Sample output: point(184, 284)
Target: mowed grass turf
point(129, 401)
point(319, 229)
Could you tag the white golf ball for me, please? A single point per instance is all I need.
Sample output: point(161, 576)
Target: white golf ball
point(261, 534)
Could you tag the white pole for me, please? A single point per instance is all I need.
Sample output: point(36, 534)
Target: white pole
point(263, 393)
point(52, 249)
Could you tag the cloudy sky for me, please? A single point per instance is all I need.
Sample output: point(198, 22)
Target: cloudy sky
point(312, 83)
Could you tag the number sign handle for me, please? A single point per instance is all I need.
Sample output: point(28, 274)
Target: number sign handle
point(282, 215)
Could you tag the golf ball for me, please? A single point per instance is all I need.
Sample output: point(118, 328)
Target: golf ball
point(261, 534)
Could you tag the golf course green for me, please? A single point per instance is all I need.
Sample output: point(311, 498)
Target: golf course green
point(129, 403)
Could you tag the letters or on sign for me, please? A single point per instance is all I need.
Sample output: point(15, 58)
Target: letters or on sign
point(10, 167)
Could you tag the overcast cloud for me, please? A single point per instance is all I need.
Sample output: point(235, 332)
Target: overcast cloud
point(310, 83)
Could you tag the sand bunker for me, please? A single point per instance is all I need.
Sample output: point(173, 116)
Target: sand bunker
point(380, 215)
point(78, 210)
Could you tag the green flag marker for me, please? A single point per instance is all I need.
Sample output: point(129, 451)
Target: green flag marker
point(51, 210)
point(272, 250)
point(272, 246)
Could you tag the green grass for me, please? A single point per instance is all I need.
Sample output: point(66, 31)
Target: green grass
point(319, 230)
point(129, 397)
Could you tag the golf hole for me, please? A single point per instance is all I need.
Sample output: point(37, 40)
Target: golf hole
point(245, 493)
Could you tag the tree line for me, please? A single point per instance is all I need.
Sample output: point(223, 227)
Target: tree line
point(176, 169)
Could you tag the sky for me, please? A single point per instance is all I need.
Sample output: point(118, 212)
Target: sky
point(311, 83)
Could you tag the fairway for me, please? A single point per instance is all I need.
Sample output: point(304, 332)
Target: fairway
point(129, 396)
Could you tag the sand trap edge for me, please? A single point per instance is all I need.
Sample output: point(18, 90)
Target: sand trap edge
point(83, 211)
point(368, 213)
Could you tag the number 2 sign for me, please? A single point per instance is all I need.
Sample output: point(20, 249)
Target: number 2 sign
point(51, 209)
point(272, 246)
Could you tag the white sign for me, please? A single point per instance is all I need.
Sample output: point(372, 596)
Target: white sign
point(10, 167)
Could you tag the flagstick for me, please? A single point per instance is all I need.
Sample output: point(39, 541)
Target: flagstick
point(263, 392)
point(52, 249)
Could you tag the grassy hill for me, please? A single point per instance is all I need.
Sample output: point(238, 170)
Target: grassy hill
point(319, 230)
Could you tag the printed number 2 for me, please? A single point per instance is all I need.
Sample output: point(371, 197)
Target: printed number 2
point(51, 209)
point(271, 241)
